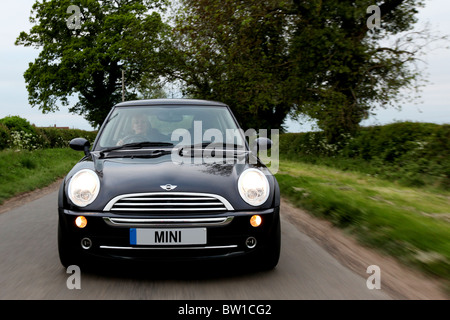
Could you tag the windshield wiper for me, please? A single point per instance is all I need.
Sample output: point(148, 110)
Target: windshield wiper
point(226, 146)
point(153, 154)
point(135, 145)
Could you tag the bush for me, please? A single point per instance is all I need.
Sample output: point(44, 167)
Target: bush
point(16, 123)
point(294, 145)
point(21, 140)
point(60, 138)
point(412, 153)
point(390, 142)
point(5, 136)
point(19, 134)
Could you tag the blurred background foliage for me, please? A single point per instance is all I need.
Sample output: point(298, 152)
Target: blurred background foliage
point(412, 153)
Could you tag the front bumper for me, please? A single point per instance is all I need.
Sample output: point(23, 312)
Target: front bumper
point(107, 235)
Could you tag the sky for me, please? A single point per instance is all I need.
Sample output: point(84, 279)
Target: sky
point(433, 106)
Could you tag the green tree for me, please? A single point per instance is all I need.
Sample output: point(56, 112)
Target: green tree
point(16, 123)
point(114, 36)
point(271, 58)
point(342, 70)
point(234, 52)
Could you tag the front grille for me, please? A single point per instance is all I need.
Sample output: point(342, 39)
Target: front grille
point(175, 202)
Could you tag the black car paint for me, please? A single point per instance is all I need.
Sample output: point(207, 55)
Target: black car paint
point(129, 175)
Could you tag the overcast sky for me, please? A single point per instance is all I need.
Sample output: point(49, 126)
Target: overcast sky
point(434, 105)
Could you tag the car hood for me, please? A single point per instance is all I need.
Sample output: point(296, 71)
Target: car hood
point(119, 176)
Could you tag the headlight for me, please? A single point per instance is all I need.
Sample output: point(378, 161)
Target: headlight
point(84, 187)
point(253, 187)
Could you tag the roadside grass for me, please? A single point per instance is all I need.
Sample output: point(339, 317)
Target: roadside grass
point(408, 174)
point(409, 223)
point(23, 171)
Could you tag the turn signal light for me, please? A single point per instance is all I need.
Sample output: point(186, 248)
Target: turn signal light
point(255, 220)
point(81, 222)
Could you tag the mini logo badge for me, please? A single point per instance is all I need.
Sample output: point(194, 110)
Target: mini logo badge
point(168, 187)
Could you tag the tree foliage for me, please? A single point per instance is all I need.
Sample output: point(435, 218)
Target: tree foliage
point(271, 58)
point(266, 59)
point(233, 51)
point(341, 70)
point(115, 35)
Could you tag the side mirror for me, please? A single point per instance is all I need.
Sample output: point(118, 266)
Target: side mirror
point(261, 144)
point(80, 144)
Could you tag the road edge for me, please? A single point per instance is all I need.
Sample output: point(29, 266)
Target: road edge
point(398, 280)
point(25, 197)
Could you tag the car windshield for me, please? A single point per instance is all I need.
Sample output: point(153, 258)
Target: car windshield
point(178, 125)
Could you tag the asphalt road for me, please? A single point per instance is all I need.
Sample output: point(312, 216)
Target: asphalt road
point(30, 269)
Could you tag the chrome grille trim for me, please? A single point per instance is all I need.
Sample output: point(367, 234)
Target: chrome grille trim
point(172, 204)
point(168, 201)
point(155, 222)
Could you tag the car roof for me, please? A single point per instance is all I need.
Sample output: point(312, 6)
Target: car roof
point(180, 102)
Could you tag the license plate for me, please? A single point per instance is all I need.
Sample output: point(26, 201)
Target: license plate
point(141, 236)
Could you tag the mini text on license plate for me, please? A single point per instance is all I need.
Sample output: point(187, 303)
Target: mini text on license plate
point(186, 236)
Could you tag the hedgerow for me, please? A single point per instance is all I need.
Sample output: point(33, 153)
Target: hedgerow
point(412, 153)
point(18, 134)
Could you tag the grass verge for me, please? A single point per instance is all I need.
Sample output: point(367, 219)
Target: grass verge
point(411, 224)
point(23, 171)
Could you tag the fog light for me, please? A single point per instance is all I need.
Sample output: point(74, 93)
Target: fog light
point(81, 222)
point(250, 242)
point(86, 243)
point(255, 220)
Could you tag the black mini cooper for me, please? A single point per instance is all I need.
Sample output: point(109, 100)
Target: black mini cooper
point(169, 180)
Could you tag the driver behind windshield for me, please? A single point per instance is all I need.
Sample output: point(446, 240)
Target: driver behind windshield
point(142, 131)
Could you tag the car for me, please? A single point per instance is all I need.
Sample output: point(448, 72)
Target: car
point(170, 180)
